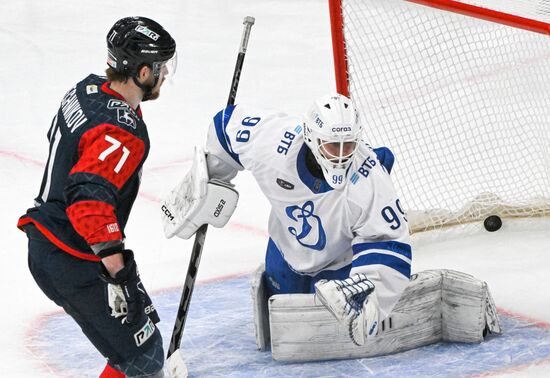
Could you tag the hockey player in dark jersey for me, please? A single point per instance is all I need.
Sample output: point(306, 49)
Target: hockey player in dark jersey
point(98, 144)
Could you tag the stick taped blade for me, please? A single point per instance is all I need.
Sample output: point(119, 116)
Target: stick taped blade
point(176, 365)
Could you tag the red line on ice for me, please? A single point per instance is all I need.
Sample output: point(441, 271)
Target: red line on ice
point(512, 369)
point(17, 156)
point(535, 322)
point(518, 368)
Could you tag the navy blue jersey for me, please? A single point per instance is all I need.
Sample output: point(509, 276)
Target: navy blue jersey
point(98, 145)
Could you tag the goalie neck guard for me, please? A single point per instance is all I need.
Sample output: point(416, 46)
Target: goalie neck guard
point(331, 132)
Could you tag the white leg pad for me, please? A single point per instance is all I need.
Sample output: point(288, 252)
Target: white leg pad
point(468, 311)
point(260, 310)
point(437, 305)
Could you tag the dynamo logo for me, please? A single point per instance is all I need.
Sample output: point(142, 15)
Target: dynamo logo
point(312, 227)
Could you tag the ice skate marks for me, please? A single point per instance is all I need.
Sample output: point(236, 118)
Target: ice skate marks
point(219, 341)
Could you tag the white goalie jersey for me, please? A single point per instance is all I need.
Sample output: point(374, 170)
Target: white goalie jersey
point(314, 226)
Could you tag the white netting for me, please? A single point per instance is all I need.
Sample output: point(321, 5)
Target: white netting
point(463, 103)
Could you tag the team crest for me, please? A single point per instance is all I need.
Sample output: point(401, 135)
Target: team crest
point(125, 114)
point(312, 234)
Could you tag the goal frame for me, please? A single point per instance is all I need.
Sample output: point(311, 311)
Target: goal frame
point(336, 12)
point(339, 42)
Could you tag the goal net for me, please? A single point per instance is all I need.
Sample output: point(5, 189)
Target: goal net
point(460, 92)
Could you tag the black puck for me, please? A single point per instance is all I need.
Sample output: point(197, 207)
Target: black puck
point(492, 223)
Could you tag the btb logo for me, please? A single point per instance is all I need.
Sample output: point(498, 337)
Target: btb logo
point(312, 234)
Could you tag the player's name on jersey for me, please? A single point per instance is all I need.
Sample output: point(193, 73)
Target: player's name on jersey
point(72, 111)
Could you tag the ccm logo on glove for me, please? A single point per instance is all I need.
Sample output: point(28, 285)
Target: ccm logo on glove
point(167, 212)
point(219, 208)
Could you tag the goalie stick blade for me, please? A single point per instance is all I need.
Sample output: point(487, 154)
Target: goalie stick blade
point(176, 365)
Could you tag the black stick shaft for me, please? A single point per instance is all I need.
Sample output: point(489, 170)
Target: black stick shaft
point(188, 287)
point(248, 22)
point(200, 236)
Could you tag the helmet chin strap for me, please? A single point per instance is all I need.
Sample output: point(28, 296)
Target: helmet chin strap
point(313, 165)
point(147, 89)
point(335, 178)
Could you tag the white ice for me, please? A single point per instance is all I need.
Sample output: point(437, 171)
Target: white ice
point(47, 46)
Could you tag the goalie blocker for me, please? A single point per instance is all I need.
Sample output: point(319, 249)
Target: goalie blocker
point(438, 305)
point(197, 200)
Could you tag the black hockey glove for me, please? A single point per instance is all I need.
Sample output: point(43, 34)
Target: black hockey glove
point(125, 294)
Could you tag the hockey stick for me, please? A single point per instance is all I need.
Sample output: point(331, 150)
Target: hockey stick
point(174, 360)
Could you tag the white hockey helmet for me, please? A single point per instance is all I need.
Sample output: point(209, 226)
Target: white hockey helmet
point(331, 131)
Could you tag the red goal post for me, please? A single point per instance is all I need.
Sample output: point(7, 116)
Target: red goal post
point(460, 91)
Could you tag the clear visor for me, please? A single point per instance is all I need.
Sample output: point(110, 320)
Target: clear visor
point(167, 68)
point(337, 153)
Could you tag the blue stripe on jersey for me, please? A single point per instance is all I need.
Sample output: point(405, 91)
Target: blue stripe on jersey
point(316, 185)
point(354, 178)
point(220, 123)
point(393, 246)
point(391, 261)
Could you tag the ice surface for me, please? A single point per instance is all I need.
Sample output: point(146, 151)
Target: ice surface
point(219, 342)
point(47, 46)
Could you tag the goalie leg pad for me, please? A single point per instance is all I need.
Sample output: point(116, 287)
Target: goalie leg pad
point(260, 295)
point(303, 330)
point(468, 311)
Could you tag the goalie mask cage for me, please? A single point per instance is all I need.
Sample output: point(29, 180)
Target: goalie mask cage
point(460, 93)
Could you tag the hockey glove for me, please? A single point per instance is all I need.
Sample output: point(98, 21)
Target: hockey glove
point(352, 302)
point(197, 200)
point(125, 294)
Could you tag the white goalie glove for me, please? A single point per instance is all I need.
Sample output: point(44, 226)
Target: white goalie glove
point(353, 303)
point(197, 200)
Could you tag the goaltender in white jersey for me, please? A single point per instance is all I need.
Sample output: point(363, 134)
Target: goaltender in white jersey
point(335, 212)
point(337, 229)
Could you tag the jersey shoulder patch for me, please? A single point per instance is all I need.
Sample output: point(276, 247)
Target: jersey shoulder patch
point(92, 89)
point(125, 115)
point(103, 105)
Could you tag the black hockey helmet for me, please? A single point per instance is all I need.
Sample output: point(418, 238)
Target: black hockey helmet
point(134, 42)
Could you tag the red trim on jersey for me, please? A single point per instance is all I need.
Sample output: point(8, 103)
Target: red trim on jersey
point(110, 152)
point(106, 87)
point(111, 372)
point(95, 221)
point(58, 243)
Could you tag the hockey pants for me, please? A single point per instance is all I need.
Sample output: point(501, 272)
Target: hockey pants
point(74, 284)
